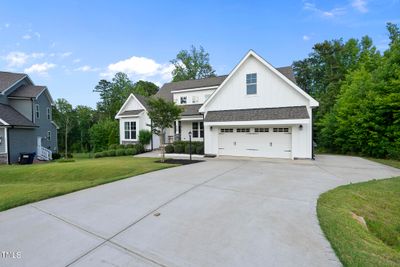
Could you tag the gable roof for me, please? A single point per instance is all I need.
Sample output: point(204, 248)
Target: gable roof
point(8, 79)
point(256, 114)
point(29, 91)
point(313, 102)
point(9, 116)
point(167, 88)
point(131, 112)
point(139, 98)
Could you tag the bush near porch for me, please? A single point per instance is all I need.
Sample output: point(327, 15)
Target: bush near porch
point(121, 150)
point(183, 147)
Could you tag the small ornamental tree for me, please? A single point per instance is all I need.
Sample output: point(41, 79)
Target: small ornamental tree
point(162, 114)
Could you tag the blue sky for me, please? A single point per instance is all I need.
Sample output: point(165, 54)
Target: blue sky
point(70, 45)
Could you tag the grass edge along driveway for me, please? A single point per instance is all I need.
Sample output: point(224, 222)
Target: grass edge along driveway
point(378, 203)
point(23, 184)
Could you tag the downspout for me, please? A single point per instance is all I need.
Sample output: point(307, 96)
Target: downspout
point(8, 147)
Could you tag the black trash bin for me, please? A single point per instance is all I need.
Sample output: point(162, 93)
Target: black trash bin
point(26, 158)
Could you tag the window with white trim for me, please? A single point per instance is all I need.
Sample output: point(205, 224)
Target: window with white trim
point(48, 114)
point(130, 130)
point(198, 129)
point(226, 130)
point(243, 130)
point(281, 130)
point(195, 99)
point(37, 111)
point(183, 99)
point(251, 83)
point(49, 135)
point(261, 130)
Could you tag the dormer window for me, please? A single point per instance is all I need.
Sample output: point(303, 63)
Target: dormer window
point(195, 99)
point(183, 99)
point(251, 83)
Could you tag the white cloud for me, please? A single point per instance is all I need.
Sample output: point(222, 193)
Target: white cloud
point(76, 60)
point(42, 68)
point(26, 37)
point(140, 68)
point(334, 12)
point(86, 68)
point(37, 35)
point(7, 25)
point(360, 5)
point(65, 54)
point(306, 37)
point(16, 59)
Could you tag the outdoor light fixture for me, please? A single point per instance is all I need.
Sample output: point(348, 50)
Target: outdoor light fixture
point(1, 140)
point(301, 127)
point(190, 145)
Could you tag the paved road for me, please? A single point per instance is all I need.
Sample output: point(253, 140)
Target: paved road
point(223, 212)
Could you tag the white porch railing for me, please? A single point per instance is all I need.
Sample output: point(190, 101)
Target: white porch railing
point(44, 153)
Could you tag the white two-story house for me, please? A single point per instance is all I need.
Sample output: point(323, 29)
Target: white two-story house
point(255, 111)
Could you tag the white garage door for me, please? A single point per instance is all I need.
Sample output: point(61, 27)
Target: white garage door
point(272, 142)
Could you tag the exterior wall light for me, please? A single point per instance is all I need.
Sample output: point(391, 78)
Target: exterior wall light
point(301, 127)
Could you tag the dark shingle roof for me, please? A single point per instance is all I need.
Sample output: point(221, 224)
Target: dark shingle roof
point(255, 114)
point(167, 88)
point(189, 110)
point(13, 117)
point(288, 72)
point(7, 79)
point(142, 100)
point(131, 112)
point(28, 91)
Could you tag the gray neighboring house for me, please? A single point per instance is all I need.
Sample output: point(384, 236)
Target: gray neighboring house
point(26, 124)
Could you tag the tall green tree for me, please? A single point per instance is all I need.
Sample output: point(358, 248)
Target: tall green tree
point(145, 88)
point(64, 117)
point(162, 114)
point(103, 134)
point(85, 120)
point(192, 64)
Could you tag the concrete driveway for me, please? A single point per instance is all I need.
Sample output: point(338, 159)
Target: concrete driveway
point(223, 212)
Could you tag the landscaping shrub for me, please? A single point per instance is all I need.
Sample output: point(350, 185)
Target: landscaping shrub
point(139, 148)
point(129, 151)
point(113, 146)
point(120, 147)
point(144, 137)
point(134, 151)
point(56, 155)
point(200, 149)
point(104, 154)
point(179, 147)
point(120, 152)
point(98, 155)
point(169, 149)
point(129, 146)
point(187, 148)
point(111, 153)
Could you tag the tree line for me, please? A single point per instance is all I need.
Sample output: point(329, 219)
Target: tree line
point(86, 129)
point(358, 88)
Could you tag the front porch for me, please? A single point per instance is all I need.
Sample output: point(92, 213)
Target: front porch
point(187, 124)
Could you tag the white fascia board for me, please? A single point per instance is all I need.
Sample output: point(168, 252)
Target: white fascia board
point(128, 116)
point(191, 118)
point(4, 122)
point(11, 86)
point(47, 94)
point(263, 122)
point(313, 102)
point(194, 89)
point(126, 103)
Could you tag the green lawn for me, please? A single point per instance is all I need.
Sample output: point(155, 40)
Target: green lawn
point(378, 202)
point(390, 162)
point(22, 184)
